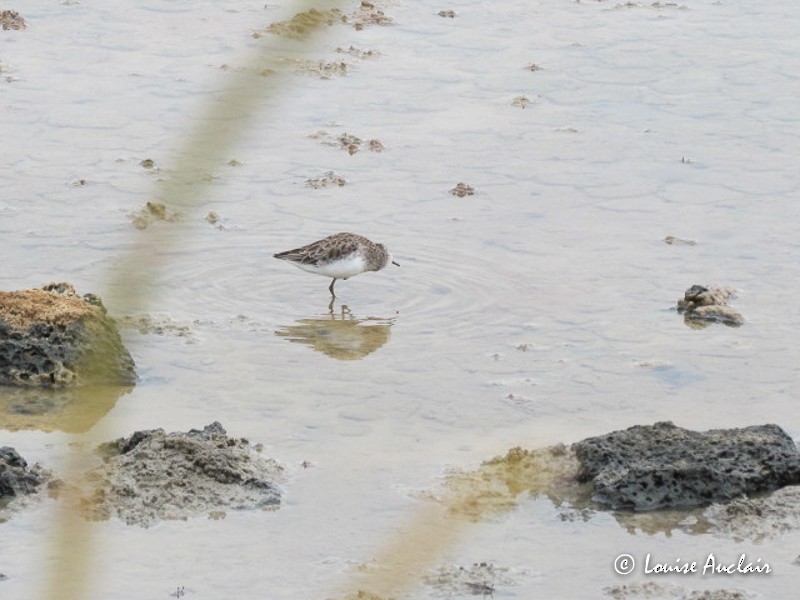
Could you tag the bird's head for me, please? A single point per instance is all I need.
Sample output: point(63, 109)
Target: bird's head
point(387, 257)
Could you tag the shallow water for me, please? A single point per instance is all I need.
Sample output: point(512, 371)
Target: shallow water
point(537, 311)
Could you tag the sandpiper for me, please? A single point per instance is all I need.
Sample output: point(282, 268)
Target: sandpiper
point(340, 256)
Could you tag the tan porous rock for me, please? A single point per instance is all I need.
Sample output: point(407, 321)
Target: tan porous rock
point(53, 337)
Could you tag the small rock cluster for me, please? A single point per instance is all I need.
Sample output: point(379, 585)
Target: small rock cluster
point(703, 305)
point(16, 478)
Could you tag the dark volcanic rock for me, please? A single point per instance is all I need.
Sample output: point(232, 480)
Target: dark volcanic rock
point(53, 337)
point(152, 475)
point(664, 466)
point(16, 479)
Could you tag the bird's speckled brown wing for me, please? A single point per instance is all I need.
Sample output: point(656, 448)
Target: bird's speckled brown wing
point(331, 248)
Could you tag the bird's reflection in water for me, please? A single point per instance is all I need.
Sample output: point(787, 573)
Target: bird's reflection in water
point(340, 334)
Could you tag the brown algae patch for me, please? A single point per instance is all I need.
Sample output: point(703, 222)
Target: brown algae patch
point(324, 69)
point(152, 212)
point(24, 308)
point(493, 488)
point(488, 491)
point(305, 23)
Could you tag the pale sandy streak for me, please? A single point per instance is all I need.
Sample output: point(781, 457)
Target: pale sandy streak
point(134, 277)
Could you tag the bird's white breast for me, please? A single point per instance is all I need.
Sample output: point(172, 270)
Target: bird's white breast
point(340, 269)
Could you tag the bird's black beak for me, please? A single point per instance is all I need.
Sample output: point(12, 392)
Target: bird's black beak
point(395, 263)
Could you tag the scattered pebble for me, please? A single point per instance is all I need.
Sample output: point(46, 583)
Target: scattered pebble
point(149, 324)
point(327, 69)
point(152, 212)
point(758, 518)
point(347, 141)
point(669, 591)
point(330, 178)
point(368, 15)
point(364, 595)
point(462, 189)
point(17, 478)
point(481, 579)
point(7, 78)
point(357, 52)
point(673, 241)
point(11, 19)
point(521, 101)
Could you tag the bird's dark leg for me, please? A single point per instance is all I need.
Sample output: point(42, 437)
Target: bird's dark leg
point(331, 288)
